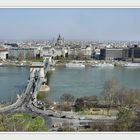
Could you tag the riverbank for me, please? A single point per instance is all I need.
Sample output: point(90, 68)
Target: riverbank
point(28, 63)
point(21, 63)
point(89, 63)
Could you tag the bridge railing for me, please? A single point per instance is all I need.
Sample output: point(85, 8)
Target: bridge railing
point(38, 84)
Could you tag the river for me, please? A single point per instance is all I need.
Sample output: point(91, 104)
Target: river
point(78, 82)
point(12, 82)
point(89, 81)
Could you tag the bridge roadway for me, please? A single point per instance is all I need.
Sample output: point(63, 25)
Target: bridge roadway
point(25, 104)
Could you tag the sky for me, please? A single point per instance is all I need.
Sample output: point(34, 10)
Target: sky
point(73, 24)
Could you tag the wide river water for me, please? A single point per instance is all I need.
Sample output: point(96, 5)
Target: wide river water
point(89, 81)
point(12, 82)
point(78, 82)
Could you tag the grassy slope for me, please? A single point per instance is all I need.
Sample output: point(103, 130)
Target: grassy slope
point(22, 122)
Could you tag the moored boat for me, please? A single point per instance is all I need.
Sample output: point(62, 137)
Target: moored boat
point(132, 65)
point(75, 65)
point(103, 65)
point(20, 65)
point(1, 64)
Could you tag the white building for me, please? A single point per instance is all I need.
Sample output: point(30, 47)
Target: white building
point(87, 51)
point(76, 50)
point(97, 51)
point(3, 54)
point(22, 53)
point(48, 51)
point(57, 51)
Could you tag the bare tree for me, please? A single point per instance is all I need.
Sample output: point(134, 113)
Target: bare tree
point(132, 98)
point(120, 96)
point(86, 102)
point(68, 98)
point(80, 55)
point(66, 102)
point(47, 102)
point(20, 56)
point(29, 55)
point(110, 90)
point(124, 120)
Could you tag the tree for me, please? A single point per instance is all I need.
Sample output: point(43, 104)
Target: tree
point(80, 55)
point(132, 98)
point(20, 56)
point(85, 102)
point(47, 102)
point(110, 90)
point(127, 97)
point(3, 126)
point(136, 122)
point(67, 101)
point(120, 96)
point(68, 98)
point(29, 55)
point(124, 120)
point(79, 104)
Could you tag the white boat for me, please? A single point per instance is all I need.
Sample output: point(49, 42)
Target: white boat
point(103, 65)
point(132, 65)
point(20, 65)
point(75, 65)
point(51, 69)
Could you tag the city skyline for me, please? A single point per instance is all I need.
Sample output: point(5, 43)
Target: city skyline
point(72, 23)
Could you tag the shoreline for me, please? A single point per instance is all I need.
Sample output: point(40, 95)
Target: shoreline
point(63, 62)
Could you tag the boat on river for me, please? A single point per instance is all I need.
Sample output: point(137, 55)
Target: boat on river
point(75, 65)
point(132, 65)
point(1, 64)
point(103, 65)
point(20, 65)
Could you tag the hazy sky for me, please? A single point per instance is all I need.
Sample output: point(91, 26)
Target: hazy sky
point(87, 24)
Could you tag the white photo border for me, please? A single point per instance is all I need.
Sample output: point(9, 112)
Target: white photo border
point(69, 4)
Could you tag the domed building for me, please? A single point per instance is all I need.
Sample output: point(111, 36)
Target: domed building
point(60, 41)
